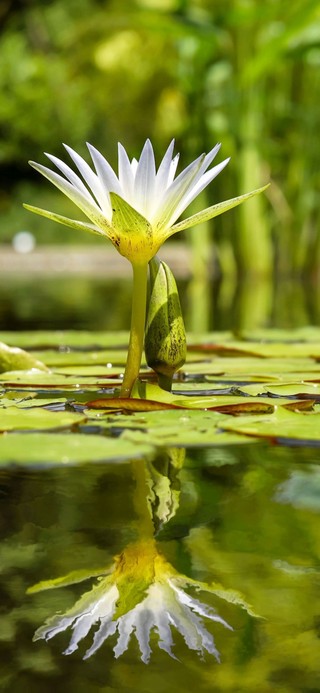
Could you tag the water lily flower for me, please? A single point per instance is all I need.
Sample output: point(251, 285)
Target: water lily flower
point(143, 594)
point(137, 210)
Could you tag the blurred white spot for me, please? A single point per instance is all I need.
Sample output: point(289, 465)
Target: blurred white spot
point(23, 242)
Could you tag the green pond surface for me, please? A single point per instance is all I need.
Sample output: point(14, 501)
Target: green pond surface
point(177, 534)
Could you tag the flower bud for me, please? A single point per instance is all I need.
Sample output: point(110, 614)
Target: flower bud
point(165, 337)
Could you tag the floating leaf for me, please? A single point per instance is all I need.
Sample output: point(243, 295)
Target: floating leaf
point(172, 428)
point(51, 449)
point(15, 359)
point(47, 381)
point(282, 426)
point(14, 418)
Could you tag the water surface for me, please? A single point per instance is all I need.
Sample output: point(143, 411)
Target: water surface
point(245, 517)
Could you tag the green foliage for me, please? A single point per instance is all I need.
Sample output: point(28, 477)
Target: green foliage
point(234, 71)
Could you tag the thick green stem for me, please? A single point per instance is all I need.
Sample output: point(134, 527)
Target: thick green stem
point(138, 317)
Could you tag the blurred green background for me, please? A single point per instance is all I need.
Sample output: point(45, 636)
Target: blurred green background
point(242, 72)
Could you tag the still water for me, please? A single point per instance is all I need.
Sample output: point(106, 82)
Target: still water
point(94, 303)
point(213, 552)
point(208, 531)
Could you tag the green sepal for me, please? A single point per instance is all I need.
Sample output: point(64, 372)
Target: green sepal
point(126, 218)
point(72, 578)
point(214, 211)
point(73, 223)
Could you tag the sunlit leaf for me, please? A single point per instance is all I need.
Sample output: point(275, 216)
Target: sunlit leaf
point(14, 418)
point(51, 449)
point(14, 359)
point(282, 426)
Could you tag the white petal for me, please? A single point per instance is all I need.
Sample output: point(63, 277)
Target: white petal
point(70, 174)
point(106, 629)
point(134, 166)
point(126, 175)
point(54, 625)
point(105, 172)
point(211, 155)
point(100, 610)
point(144, 184)
point(91, 179)
point(199, 607)
point(144, 624)
point(164, 170)
point(165, 634)
point(125, 625)
point(174, 194)
point(173, 168)
point(88, 206)
point(81, 628)
point(84, 202)
point(187, 624)
point(205, 179)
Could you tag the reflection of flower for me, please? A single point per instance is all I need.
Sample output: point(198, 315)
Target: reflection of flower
point(142, 594)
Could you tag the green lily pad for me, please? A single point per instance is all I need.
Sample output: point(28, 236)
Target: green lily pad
point(13, 358)
point(14, 418)
point(170, 428)
point(50, 449)
point(265, 349)
point(62, 339)
point(45, 381)
point(268, 368)
point(294, 390)
point(282, 426)
point(55, 358)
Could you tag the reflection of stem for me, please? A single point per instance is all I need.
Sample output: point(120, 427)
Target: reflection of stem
point(146, 528)
point(138, 316)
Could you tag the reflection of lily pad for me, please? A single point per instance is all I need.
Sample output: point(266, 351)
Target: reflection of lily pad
point(43, 449)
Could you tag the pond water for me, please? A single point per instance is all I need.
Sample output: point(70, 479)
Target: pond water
point(83, 302)
point(155, 551)
point(235, 516)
